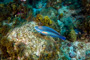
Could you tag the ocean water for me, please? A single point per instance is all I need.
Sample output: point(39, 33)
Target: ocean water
point(44, 30)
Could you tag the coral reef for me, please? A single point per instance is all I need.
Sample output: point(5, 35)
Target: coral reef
point(66, 11)
point(73, 4)
point(38, 6)
point(26, 43)
point(20, 41)
point(4, 30)
point(51, 13)
point(12, 10)
point(75, 50)
point(72, 35)
point(67, 22)
point(47, 21)
point(54, 3)
point(29, 44)
point(44, 21)
point(85, 25)
point(12, 14)
point(86, 7)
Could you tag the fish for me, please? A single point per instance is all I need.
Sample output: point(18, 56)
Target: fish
point(49, 32)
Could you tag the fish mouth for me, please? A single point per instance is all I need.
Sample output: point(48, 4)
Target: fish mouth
point(39, 30)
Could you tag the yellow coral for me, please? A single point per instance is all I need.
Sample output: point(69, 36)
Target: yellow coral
point(46, 21)
point(50, 22)
point(39, 18)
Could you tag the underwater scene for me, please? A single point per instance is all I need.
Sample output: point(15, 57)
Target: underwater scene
point(44, 29)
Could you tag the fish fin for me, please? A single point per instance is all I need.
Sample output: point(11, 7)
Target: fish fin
point(62, 37)
point(52, 36)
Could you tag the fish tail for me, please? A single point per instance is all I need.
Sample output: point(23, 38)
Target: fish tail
point(62, 37)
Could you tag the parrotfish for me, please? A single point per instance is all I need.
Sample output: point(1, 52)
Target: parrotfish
point(49, 32)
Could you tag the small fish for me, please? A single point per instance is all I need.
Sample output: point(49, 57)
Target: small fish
point(49, 32)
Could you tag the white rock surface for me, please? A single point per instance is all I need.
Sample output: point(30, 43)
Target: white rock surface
point(25, 38)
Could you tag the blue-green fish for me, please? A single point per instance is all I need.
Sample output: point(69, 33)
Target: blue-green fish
point(49, 32)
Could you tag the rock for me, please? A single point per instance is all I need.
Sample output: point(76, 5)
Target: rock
point(28, 42)
point(82, 50)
